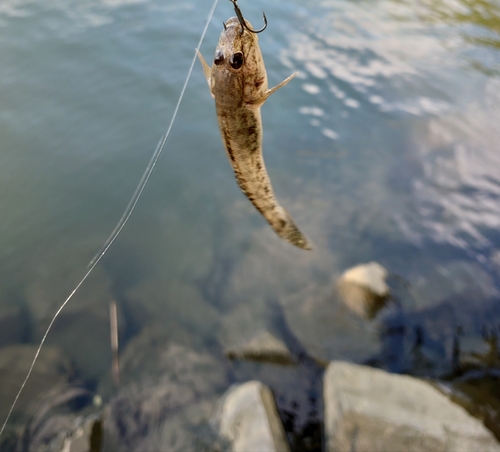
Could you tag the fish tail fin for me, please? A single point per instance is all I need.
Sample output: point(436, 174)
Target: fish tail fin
point(286, 228)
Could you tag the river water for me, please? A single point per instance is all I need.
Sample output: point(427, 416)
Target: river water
point(385, 147)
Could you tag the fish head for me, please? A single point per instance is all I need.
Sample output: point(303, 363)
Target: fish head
point(238, 58)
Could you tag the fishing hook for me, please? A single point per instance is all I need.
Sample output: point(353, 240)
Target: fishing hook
point(244, 26)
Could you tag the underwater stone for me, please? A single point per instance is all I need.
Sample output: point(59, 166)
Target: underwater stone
point(263, 347)
point(363, 289)
point(66, 432)
point(249, 420)
point(87, 437)
point(371, 410)
point(51, 369)
point(82, 327)
point(166, 396)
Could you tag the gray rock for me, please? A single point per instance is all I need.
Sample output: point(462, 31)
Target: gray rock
point(476, 351)
point(248, 419)
point(51, 369)
point(67, 432)
point(179, 306)
point(85, 437)
point(370, 410)
point(243, 321)
point(363, 289)
point(326, 329)
point(263, 347)
point(82, 327)
point(167, 395)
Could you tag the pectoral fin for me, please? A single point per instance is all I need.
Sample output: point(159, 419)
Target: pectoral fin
point(206, 70)
point(260, 101)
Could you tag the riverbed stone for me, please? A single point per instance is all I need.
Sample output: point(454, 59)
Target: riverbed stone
point(51, 369)
point(326, 329)
point(167, 393)
point(363, 289)
point(55, 427)
point(86, 436)
point(248, 419)
point(262, 347)
point(82, 328)
point(371, 410)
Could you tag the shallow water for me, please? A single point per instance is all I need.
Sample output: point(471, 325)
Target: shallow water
point(386, 147)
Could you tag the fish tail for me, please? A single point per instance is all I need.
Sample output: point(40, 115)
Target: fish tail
point(286, 228)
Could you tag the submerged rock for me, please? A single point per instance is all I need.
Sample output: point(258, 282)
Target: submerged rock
point(363, 289)
point(51, 369)
point(87, 437)
point(67, 432)
point(168, 394)
point(370, 410)
point(248, 419)
point(263, 347)
point(475, 351)
point(82, 327)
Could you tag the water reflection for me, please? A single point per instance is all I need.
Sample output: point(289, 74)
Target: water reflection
point(479, 23)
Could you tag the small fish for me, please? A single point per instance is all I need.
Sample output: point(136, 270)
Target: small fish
point(238, 83)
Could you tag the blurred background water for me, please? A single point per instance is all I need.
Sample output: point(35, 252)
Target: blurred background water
point(385, 147)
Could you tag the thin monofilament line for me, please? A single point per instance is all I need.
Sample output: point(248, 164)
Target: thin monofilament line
point(124, 218)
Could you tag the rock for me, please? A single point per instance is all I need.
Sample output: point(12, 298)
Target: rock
point(363, 289)
point(86, 437)
point(82, 327)
point(51, 369)
point(243, 321)
point(248, 419)
point(178, 306)
point(67, 432)
point(370, 410)
point(9, 440)
point(474, 351)
point(326, 329)
point(479, 393)
point(263, 347)
point(166, 398)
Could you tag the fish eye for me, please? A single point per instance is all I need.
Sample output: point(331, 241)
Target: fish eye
point(219, 57)
point(236, 60)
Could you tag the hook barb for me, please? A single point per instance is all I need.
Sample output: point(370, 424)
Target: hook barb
point(241, 19)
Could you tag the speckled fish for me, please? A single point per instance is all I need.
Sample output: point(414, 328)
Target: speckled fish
point(238, 83)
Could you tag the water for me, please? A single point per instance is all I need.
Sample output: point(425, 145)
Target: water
point(385, 147)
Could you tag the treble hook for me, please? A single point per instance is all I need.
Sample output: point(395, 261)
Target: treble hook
point(244, 26)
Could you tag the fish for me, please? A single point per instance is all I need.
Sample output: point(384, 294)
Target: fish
point(238, 83)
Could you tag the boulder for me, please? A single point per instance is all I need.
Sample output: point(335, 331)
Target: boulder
point(167, 394)
point(248, 419)
point(82, 327)
point(262, 347)
point(87, 436)
point(51, 369)
point(363, 289)
point(370, 410)
point(61, 430)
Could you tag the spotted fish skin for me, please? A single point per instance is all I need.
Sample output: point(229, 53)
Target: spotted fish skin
point(238, 83)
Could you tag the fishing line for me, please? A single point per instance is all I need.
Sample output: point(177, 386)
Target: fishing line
point(124, 218)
